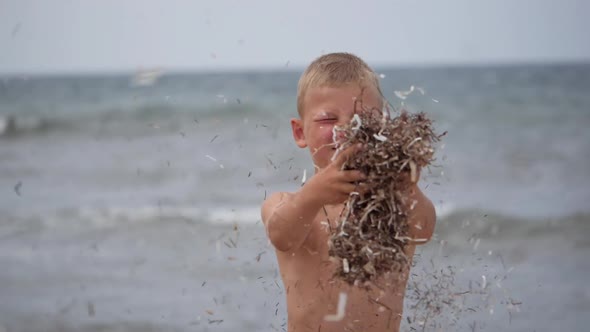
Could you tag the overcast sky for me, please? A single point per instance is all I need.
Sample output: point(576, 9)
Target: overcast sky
point(115, 35)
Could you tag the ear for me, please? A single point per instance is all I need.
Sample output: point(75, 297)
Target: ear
point(298, 135)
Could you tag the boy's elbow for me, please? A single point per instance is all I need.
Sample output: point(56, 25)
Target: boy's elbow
point(430, 221)
point(279, 242)
point(275, 229)
point(424, 227)
point(278, 238)
point(282, 246)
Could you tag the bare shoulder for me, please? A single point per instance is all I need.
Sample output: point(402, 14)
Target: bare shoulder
point(427, 206)
point(422, 218)
point(422, 198)
point(271, 203)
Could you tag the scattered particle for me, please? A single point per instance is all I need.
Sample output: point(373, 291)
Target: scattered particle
point(259, 256)
point(340, 309)
point(233, 243)
point(17, 188)
point(90, 308)
point(15, 29)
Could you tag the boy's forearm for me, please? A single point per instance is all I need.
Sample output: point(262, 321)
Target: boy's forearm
point(291, 221)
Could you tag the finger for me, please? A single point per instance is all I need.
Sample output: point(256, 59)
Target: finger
point(339, 196)
point(347, 154)
point(353, 176)
point(362, 188)
point(347, 188)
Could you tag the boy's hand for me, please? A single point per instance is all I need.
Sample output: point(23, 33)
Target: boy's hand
point(332, 185)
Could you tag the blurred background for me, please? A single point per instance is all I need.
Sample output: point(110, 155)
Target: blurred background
point(139, 138)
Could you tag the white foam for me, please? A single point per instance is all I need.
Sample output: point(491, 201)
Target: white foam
point(113, 216)
point(105, 217)
point(243, 215)
point(444, 209)
point(4, 124)
point(10, 124)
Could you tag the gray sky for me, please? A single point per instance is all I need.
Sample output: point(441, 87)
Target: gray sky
point(114, 35)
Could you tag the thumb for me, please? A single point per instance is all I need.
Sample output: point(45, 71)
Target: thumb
point(346, 154)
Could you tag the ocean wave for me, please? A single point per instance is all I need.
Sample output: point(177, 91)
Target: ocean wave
point(13, 125)
point(107, 217)
point(112, 217)
point(452, 225)
point(126, 119)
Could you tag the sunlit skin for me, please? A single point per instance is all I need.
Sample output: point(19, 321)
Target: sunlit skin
point(296, 225)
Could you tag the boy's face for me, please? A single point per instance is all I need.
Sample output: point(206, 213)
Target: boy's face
point(324, 108)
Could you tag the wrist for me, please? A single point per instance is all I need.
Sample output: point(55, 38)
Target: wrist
point(308, 198)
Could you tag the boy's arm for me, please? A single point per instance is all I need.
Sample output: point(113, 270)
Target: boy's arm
point(288, 218)
point(422, 217)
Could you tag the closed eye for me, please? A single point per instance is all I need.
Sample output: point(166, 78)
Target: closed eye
point(327, 120)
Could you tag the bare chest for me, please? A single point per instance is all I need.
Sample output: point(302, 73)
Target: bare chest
point(324, 223)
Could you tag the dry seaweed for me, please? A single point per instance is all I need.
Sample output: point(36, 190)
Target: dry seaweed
point(373, 231)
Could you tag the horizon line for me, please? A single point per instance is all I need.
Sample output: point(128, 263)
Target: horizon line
point(286, 68)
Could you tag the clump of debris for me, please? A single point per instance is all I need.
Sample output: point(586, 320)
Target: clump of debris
point(373, 231)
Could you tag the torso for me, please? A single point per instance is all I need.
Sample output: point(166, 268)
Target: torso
point(312, 292)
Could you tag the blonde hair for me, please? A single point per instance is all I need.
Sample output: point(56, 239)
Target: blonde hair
point(335, 69)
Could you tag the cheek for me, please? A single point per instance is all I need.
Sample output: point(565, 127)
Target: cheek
point(325, 133)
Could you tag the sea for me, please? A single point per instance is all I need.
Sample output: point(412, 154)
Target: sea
point(132, 204)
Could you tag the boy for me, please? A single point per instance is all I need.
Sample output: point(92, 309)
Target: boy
point(296, 222)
